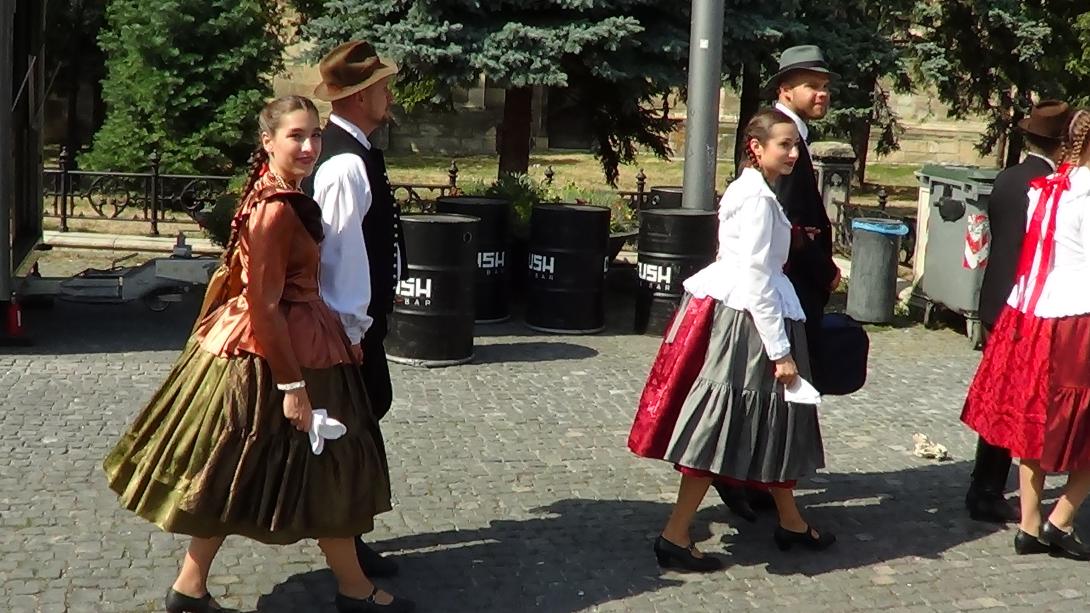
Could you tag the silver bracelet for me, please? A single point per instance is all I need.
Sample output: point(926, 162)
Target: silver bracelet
point(287, 387)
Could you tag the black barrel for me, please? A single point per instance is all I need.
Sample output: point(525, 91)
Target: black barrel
point(664, 198)
point(493, 286)
point(566, 267)
point(432, 322)
point(672, 246)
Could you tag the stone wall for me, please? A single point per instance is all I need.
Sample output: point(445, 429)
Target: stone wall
point(471, 128)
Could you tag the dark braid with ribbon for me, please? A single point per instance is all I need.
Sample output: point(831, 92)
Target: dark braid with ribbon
point(259, 165)
point(1078, 131)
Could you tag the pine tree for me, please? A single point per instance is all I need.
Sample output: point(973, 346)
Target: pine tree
point(186, 78)
point(993, 57)
point(620, 57)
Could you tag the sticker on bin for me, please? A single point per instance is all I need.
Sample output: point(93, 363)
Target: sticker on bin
point(978, 241)
point(891, 227)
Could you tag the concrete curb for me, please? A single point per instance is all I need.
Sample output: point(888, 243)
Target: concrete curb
point(125, 242)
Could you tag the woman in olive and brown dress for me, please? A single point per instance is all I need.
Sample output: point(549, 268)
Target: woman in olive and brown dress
point(223, 448)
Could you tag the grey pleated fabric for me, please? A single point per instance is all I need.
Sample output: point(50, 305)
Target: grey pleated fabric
point(735, 421)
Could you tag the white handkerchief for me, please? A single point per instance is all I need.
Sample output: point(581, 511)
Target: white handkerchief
point(801, 392)
point(323, 428)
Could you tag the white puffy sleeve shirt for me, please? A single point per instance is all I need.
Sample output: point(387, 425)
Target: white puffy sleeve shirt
point(343, 191)
point(1066, 291)
point(754, 240)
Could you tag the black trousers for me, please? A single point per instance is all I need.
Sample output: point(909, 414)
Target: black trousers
point(375, 369)
point(992, 464)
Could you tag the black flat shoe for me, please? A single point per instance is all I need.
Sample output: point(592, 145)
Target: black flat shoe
point(1027, 544)
point(992, 509)
point(737, 501)
point(177, 602)
point(785, 539)
point(347, 604)
point(372, 562)
point(1064, 544)
point(674, 557)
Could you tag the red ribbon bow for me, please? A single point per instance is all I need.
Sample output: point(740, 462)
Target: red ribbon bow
point(1040, 237)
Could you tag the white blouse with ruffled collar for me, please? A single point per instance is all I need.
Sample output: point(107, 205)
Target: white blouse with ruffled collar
point(754, 240)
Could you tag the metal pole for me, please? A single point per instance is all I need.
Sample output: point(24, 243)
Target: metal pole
point(702, 118)
point(7, 167)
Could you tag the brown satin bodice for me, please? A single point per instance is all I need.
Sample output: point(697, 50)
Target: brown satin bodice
point(278, 312)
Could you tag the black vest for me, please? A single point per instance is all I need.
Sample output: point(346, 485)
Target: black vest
point(381, 225)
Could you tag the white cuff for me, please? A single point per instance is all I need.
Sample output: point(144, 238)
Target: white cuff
point(287, 387)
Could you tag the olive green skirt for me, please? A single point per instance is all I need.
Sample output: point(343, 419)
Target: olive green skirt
point(212, 454)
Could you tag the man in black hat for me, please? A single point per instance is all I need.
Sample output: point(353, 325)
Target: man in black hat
point(801, 86)
point(363, 250)
point(1043, 132)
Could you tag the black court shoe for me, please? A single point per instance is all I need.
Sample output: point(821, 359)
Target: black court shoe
point(673, 557)
point(177, 602)
point(786, 539)
point(1064, 544)
point(1026, 544)
point(347, 604)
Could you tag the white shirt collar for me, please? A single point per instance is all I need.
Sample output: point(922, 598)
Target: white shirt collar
point(755, 182)
point(351, 128)
point(804, 130)
point(1051, 164)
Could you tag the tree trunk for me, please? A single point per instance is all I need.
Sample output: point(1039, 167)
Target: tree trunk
point(72, 75)
point(1014, 142)
point(514, 134)
point(860, 135)
point(1001, 150)
point(861, 147)
point(750, 102)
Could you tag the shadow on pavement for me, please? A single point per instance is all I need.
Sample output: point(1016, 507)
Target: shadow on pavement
point(589, 552)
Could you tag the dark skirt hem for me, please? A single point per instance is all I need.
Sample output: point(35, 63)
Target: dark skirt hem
point(212, 455)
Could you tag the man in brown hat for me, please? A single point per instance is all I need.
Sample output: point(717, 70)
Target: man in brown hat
point(1043, 132)
point(363, 250)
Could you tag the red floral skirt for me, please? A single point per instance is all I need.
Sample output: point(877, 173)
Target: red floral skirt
point(1031, 393)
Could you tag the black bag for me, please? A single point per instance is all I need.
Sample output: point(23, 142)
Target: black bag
point(840, 367)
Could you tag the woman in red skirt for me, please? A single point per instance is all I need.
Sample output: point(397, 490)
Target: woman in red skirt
point(1031, 393)
point(714, 404)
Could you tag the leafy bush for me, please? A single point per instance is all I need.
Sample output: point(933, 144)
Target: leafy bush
point(621, 217)
point(216, 220)
point(186, 78)
point(524, 192)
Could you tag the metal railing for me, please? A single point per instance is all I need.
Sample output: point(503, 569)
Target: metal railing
point(153, 197)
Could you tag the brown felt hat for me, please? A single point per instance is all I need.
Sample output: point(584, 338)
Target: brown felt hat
point(350, 68)
point(1048, 120)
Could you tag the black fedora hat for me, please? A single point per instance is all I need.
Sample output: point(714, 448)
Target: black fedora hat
point(1048, 119)
point(801, 57)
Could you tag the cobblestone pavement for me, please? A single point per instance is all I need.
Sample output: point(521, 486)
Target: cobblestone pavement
point(514, 489)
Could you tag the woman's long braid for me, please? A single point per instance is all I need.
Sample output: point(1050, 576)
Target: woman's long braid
point(258, 163)
point(1078, 133)
point(752, 155)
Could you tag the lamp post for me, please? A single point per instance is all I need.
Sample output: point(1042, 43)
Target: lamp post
point(702, 118)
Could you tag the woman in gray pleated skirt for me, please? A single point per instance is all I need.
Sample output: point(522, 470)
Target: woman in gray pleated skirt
point(714, 403)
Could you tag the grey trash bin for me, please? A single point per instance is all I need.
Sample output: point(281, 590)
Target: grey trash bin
point(958, 204)
point(872, 293)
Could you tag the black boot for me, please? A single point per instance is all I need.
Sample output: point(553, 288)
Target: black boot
point(737, 500)
point(985, 499)
point(372, 562)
